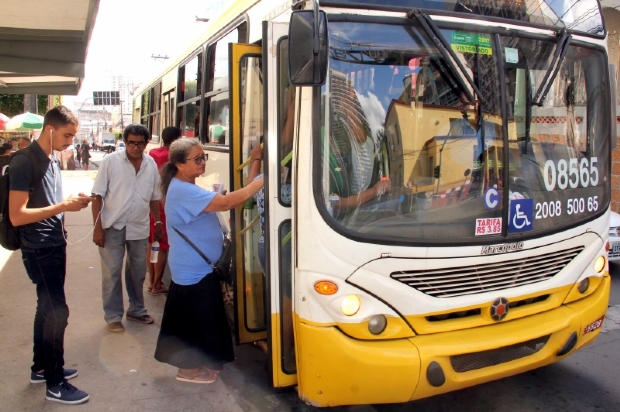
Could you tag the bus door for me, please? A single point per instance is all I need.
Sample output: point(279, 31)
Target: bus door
point(280, 100)
point(246, 96)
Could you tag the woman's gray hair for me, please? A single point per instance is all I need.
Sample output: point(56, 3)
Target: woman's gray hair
point(179, 150)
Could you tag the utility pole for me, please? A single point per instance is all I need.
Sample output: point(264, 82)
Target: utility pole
point(122, 123)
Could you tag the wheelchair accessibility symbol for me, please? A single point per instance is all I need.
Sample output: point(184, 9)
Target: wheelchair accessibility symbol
point(521, 215)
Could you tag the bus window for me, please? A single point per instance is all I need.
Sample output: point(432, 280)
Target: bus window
point(218, 103)
point(218, 119)
point(188, 115)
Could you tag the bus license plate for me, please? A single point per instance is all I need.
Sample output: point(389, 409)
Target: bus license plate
point(594, 325)
point(615, 248)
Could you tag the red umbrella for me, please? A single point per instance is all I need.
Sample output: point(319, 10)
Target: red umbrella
point(3, 120)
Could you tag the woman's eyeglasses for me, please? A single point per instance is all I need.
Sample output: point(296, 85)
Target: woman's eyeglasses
point(199, 159)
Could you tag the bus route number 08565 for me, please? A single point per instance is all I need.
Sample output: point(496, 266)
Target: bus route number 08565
point(571, 173)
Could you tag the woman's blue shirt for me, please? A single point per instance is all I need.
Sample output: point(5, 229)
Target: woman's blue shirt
point(185, 204)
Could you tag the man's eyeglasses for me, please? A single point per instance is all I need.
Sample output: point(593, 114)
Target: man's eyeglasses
point(199, 159)
point(131, 143)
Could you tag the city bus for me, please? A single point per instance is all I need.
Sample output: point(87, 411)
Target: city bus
point(437, 185)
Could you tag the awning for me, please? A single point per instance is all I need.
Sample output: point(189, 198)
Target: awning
point(43, 45)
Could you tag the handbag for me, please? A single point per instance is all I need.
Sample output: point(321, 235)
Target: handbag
point(223, 266)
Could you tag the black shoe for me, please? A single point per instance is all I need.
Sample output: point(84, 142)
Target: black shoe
point(66, 393)
point(37, 377)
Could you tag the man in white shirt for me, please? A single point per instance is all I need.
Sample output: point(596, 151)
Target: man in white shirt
point(125, 190)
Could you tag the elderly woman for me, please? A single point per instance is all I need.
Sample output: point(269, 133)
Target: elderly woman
point(194, 335)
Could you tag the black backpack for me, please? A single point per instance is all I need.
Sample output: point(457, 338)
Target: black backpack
point(9, 234)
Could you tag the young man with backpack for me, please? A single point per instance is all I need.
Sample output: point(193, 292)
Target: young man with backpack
point(37, 207)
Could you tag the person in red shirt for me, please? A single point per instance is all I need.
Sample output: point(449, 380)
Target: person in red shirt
point(156, 270)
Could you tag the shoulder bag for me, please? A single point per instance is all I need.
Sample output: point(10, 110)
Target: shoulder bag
point(223, 267)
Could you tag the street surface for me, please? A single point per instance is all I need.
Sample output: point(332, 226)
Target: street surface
point(120, 374)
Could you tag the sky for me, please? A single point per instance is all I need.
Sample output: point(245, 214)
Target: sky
point(128, 32)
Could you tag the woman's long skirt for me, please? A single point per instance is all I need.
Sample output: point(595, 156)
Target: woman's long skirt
point(194, 329)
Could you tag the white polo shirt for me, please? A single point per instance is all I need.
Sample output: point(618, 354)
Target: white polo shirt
point(126, 195)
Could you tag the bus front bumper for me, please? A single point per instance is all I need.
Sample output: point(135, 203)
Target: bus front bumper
point(334, 369)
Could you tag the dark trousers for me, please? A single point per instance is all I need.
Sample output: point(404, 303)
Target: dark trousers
point(46, 267)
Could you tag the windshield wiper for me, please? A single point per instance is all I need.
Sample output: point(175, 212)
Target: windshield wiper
point(558, 57)
point(481, 126)
point(432, 31)
point(528, 105)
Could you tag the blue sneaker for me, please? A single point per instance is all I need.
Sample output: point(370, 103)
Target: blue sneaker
point(66, 393)
point(37, 377)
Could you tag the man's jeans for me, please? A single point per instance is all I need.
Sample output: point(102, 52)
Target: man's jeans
point(135, 271)
point(47, 267)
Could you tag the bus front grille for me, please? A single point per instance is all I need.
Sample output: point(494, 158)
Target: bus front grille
point(479, 360)
point(470, 280)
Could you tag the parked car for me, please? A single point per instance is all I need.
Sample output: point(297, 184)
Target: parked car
point(120, 145)
point(614, 238)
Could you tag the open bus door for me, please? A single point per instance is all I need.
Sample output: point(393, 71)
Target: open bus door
point(251, 69)
point(246, 95)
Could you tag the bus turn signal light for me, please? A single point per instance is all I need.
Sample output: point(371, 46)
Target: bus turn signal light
point(325, 287)
point(350, 305)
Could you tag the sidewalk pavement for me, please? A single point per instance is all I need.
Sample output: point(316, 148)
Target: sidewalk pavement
point(117, 369)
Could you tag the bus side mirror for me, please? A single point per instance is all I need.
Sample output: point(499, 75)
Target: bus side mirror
point(307, 61)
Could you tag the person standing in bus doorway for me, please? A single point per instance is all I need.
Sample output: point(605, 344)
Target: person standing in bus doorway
point(195, 336)
point(126, 188)
point(156, 270)
point(38, 209)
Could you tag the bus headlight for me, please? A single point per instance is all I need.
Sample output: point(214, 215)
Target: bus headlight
point(600, 264)
point(350, 305)
point(377, 324)
point(583, 286)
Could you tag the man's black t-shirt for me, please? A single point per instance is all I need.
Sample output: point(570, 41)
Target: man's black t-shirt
point(47, 232)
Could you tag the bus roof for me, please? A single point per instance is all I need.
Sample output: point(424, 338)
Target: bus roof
point(228, 15)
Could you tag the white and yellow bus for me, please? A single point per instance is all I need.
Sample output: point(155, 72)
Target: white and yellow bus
point(437, 184)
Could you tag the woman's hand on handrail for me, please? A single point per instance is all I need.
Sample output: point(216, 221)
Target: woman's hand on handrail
point(222, 203)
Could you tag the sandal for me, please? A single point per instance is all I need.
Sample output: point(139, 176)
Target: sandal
point(201, 378)
point(161, 292)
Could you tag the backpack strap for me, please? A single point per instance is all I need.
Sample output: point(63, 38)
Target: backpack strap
point(37, 171)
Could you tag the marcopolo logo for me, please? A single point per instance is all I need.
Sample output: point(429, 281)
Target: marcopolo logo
point(504, 248)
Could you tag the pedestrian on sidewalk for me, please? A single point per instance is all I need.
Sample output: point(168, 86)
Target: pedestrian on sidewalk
point(125, 189)
point(195, 336)
point(39, 212)
point(85, 154)
point(23, 143)
point(156, 270)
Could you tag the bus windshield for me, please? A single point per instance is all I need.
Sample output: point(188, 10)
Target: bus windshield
point(405, 155)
